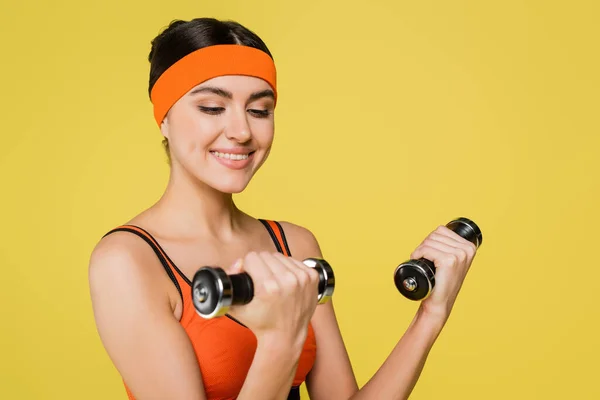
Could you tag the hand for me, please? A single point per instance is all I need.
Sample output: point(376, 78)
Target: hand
point(452, 256)
point(285, 296)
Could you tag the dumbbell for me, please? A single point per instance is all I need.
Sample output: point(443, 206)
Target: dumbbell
point(415, 279)
point(214, 291)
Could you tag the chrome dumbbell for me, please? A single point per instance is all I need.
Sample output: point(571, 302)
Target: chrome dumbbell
point(214, 291)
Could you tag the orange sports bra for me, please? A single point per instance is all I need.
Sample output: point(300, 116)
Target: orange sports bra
point(224, 347)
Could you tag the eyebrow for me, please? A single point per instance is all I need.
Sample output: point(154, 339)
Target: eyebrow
point(228, 95)
point(261, 94)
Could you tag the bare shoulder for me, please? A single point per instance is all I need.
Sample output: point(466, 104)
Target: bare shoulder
point(118, 255)
point(301, 240)
point(121, 254)
point(123, 262)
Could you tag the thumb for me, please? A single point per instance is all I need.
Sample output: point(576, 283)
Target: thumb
point(237, 266)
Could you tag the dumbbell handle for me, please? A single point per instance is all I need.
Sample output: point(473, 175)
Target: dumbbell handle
point(243, 288)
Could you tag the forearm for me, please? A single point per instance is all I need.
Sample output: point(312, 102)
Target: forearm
point(272, 372)
point(397, 377)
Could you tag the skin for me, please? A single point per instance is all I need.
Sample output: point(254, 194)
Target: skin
point(137, 308)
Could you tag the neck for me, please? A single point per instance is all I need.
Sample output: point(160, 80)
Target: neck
point(191, 209)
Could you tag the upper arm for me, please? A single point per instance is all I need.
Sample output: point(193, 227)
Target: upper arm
point(135, 321)
point(332, 376)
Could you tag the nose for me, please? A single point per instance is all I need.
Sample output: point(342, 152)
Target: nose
point(238, 128)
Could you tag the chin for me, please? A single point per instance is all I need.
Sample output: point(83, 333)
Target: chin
point(231, 187)
point(229, 182)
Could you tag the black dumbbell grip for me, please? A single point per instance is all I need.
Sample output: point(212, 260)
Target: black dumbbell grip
point(242, 287)
point(466, 229)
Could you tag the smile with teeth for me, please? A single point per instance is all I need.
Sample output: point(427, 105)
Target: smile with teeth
point(229, 156)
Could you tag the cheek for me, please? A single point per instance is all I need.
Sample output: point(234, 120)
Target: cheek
point(263, 133)
point(192, 134)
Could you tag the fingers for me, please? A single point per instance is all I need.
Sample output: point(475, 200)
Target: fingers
point(260, 272)
point(301, 276)
point(450, 240)
point(439, 257)
point(276, 273)
point(280, 272)
point(306, 276)
point(448, 236)
point(462, 248)
point(445, 245)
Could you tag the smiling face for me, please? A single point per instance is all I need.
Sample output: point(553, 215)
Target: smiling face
point(221, 131)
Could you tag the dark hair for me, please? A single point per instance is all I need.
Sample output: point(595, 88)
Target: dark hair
point(183, 37)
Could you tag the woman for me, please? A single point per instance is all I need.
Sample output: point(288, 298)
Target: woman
point(213, 87)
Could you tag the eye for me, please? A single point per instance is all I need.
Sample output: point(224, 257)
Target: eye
point(211, 110)
point(260, 113)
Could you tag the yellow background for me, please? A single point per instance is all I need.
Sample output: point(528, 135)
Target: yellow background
point(394, 117)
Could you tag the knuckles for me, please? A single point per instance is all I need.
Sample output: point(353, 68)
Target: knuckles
point(442, 230)
point(461, 255)
point(252, 258)
point(453, 259)
point(286, 281)
point(471, 250)
point(313, 275)
point(271, 287)
point(303, 278)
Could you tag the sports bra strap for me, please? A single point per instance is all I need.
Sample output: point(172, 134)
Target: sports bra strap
point(294, 393)
point(276, 231)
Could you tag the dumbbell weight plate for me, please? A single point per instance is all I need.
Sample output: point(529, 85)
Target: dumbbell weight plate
point(212, 292)
point(414, 279)
point(326, 278)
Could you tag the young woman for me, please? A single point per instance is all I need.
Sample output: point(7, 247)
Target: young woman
point(213, 87)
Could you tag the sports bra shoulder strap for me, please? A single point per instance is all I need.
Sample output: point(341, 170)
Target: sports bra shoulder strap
point(278, 235)
point(160, 253)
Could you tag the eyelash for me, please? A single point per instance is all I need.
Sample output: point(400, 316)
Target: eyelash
point(219, 110)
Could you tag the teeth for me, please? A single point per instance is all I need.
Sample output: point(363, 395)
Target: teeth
point(229, 156)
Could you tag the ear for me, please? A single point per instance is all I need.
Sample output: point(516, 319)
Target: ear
point(164, 127)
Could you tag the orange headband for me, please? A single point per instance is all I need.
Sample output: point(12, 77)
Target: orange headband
point(204, 64)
